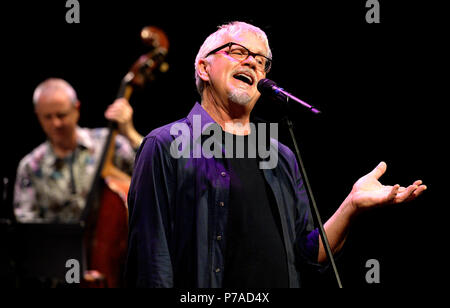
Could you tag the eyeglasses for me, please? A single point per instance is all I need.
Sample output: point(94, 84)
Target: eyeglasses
point(241, 53)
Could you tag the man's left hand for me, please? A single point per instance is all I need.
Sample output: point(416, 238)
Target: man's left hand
point(368, 192)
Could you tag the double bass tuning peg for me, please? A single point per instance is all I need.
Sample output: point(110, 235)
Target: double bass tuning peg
point(147, 65)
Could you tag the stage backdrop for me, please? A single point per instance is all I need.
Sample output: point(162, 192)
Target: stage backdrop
point(375, 83)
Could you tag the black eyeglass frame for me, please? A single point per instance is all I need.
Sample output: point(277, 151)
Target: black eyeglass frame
point(249, 53)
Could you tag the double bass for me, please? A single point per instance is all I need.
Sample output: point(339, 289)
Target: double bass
point(105, 218)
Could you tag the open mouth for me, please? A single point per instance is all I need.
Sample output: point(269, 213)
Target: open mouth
point(244, 78)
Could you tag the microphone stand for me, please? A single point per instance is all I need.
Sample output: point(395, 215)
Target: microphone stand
point(309, 192)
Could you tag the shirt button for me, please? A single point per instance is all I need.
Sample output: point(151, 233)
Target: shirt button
point(219, 237)
point(223, 173)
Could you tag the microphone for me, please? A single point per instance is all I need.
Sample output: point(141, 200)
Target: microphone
point(270, 88)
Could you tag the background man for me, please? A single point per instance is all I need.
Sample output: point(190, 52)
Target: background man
point(53, 180)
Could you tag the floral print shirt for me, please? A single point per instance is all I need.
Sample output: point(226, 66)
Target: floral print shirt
point(52, 189)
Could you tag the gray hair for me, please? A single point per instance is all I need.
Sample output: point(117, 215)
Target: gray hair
point(51, 85)
point(215, 39)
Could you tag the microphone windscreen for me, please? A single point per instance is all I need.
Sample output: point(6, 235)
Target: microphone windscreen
point(265, 85)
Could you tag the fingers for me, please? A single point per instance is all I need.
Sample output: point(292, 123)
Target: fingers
point(405, 194)
point(418, 183)
point(420, 189)
point(379, 170)
point(393, 194)
point(409, 193)
point(120, 104)
point(120, 101)
point(119, 111)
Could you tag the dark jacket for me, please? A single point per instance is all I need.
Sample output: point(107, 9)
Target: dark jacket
point(177, 206)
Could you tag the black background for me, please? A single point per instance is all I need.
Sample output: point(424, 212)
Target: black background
point(379, 87)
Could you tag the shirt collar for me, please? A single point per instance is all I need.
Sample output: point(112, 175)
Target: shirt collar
point(206, 122)
point(84, 141)
point(84, 138)
point(205, 118)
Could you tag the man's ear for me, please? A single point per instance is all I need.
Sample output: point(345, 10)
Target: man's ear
point(77, 108)
point(202, 69)
point(77, 105)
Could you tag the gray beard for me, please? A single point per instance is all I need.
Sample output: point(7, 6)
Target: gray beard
point(239, 97)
